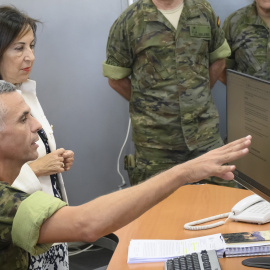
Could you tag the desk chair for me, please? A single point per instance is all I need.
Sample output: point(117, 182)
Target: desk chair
point(92, 256)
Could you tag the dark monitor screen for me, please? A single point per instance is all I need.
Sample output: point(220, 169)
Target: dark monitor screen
point(248, 113)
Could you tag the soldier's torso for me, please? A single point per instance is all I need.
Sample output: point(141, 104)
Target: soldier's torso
point(171, 103)
point(251, 44)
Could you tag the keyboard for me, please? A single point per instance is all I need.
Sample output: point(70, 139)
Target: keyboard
point(204, 260)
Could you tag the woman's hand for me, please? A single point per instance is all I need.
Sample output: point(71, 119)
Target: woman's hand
point(52, 163)
point(68, 159)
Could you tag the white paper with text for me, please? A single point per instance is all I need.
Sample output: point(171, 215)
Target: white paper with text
point(160, 250)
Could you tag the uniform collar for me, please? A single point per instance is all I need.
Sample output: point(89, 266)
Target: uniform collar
point(191, 9)
point(252, 16)
point(151, 12)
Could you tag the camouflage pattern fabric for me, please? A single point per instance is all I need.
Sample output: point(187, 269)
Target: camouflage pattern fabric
point(11, 256)
point(171, 103)
point(248, 36)
point(171, 106)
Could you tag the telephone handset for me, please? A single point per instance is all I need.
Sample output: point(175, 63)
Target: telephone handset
point(245, 203)
point(252, 209)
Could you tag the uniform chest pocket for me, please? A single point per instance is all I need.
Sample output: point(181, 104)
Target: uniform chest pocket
point(246, 60)
point(194, 55)
point(154, 67)
point(192, 48)
point(155, 57)
point(159, 65)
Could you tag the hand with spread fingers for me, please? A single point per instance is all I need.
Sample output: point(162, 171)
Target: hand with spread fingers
point(214, 163)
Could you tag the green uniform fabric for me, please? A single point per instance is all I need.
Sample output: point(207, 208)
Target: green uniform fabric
point(21, 216)
point(171, 106)
point(249, 39)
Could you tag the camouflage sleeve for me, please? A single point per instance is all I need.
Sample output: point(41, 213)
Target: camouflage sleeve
point(119, 53)
point(11, 199)
point(218, 47)
point(222, 52)
point(230, 62)
point(31, 214)
point(11, 257)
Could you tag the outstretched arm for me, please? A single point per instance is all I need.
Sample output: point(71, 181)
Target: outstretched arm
point(108, 213)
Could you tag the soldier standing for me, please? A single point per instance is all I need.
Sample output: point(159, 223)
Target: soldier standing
point(247, 32)
point(164, 57)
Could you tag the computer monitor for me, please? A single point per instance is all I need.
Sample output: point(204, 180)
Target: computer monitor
point(248, 113)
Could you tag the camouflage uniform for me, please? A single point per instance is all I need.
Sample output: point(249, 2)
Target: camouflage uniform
point(248, 36)
point(15, 238)
point(171, 107)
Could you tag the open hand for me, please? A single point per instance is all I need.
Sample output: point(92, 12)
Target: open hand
point(212, 163)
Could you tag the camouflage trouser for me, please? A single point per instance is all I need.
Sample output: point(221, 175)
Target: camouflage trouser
point(150, 161)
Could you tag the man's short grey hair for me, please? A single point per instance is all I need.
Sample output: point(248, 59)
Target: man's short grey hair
point(5, 87)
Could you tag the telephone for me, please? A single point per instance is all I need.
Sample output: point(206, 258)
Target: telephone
point(252, 209)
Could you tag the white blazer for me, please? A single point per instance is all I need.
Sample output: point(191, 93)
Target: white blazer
point(27, 181)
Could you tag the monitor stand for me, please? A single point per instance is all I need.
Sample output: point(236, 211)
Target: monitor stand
point(260, 262)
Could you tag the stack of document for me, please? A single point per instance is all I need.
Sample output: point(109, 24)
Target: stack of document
point(247, 243)
point(226, 245)
point(141, 251)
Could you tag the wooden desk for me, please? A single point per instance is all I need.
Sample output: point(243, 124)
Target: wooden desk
point(166, 221)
